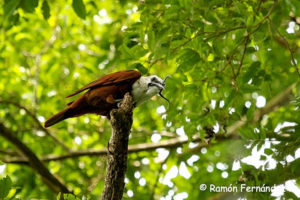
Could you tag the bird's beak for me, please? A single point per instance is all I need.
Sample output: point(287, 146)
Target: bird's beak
point(165, 79)
point(159, 85)
point(162, 96)
point(163, 84)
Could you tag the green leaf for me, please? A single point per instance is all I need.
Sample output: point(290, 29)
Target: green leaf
point(141, 68)
point(188, 59)
point(253, 69)
point(151, 40)
point(29, 5)
point(10, 6)
point(262, 157)
point(79, 8)
point(5, 186)
point(46, 9)
point(58, 196)
point(70, 197)
point(268, 151)
point(126, 53)
point(251, 49)
point(250, 111)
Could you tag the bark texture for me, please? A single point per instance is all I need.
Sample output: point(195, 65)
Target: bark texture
point(121, 121)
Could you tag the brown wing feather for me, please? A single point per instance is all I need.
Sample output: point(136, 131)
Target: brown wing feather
point(110, 79)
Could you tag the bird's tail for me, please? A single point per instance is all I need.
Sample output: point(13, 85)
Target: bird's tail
point(57, 118)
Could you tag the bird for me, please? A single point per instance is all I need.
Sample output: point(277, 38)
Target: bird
point(107, 92)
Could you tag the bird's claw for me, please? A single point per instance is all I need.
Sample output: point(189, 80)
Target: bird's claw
point(118, 101)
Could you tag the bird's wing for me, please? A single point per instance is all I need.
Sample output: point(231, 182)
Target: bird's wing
point(110, 79)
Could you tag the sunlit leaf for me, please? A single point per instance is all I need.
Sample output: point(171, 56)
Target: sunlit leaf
point(46, 9)
point(141, 68)
point(10, 6)
point(5, 186)
point(29, 5)
point(79, 8)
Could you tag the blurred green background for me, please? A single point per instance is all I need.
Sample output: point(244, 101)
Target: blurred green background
point(228, 61)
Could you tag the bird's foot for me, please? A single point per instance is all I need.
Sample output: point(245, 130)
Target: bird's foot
point(118, 101)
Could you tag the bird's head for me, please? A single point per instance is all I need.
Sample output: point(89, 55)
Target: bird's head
point(156, 85)
point(147, 87)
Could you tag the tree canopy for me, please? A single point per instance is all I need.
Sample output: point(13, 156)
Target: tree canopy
point(233, 116)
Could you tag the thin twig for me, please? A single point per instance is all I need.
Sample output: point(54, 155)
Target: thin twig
point(275, 103)
point(246, 39)
point(228, 59)
point(287, 45)
point(168, 144)
point(40, 126)
point(212, 35)
point(8, 152)
point(217, 34)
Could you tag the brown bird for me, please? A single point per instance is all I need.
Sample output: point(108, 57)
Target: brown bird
point(104, 94)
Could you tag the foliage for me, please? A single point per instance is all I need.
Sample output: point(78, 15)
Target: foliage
point(5, 185)
point(67, 197)
point(225, 59)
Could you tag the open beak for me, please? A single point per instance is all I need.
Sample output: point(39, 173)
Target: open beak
point(162, 96)
point(165, 79)
point(163, 84)
point(159, 85)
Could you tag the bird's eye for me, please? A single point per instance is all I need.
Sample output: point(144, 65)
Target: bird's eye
point(155, 80)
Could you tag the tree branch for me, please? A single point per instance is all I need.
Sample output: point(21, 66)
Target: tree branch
point(246, 39)
point(9, 152)
point(121, 121)
point(48, 178)
point(168, 144)
point(40, 126)
point(278, 101)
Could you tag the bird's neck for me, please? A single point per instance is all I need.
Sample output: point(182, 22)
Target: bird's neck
point(141, 92)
